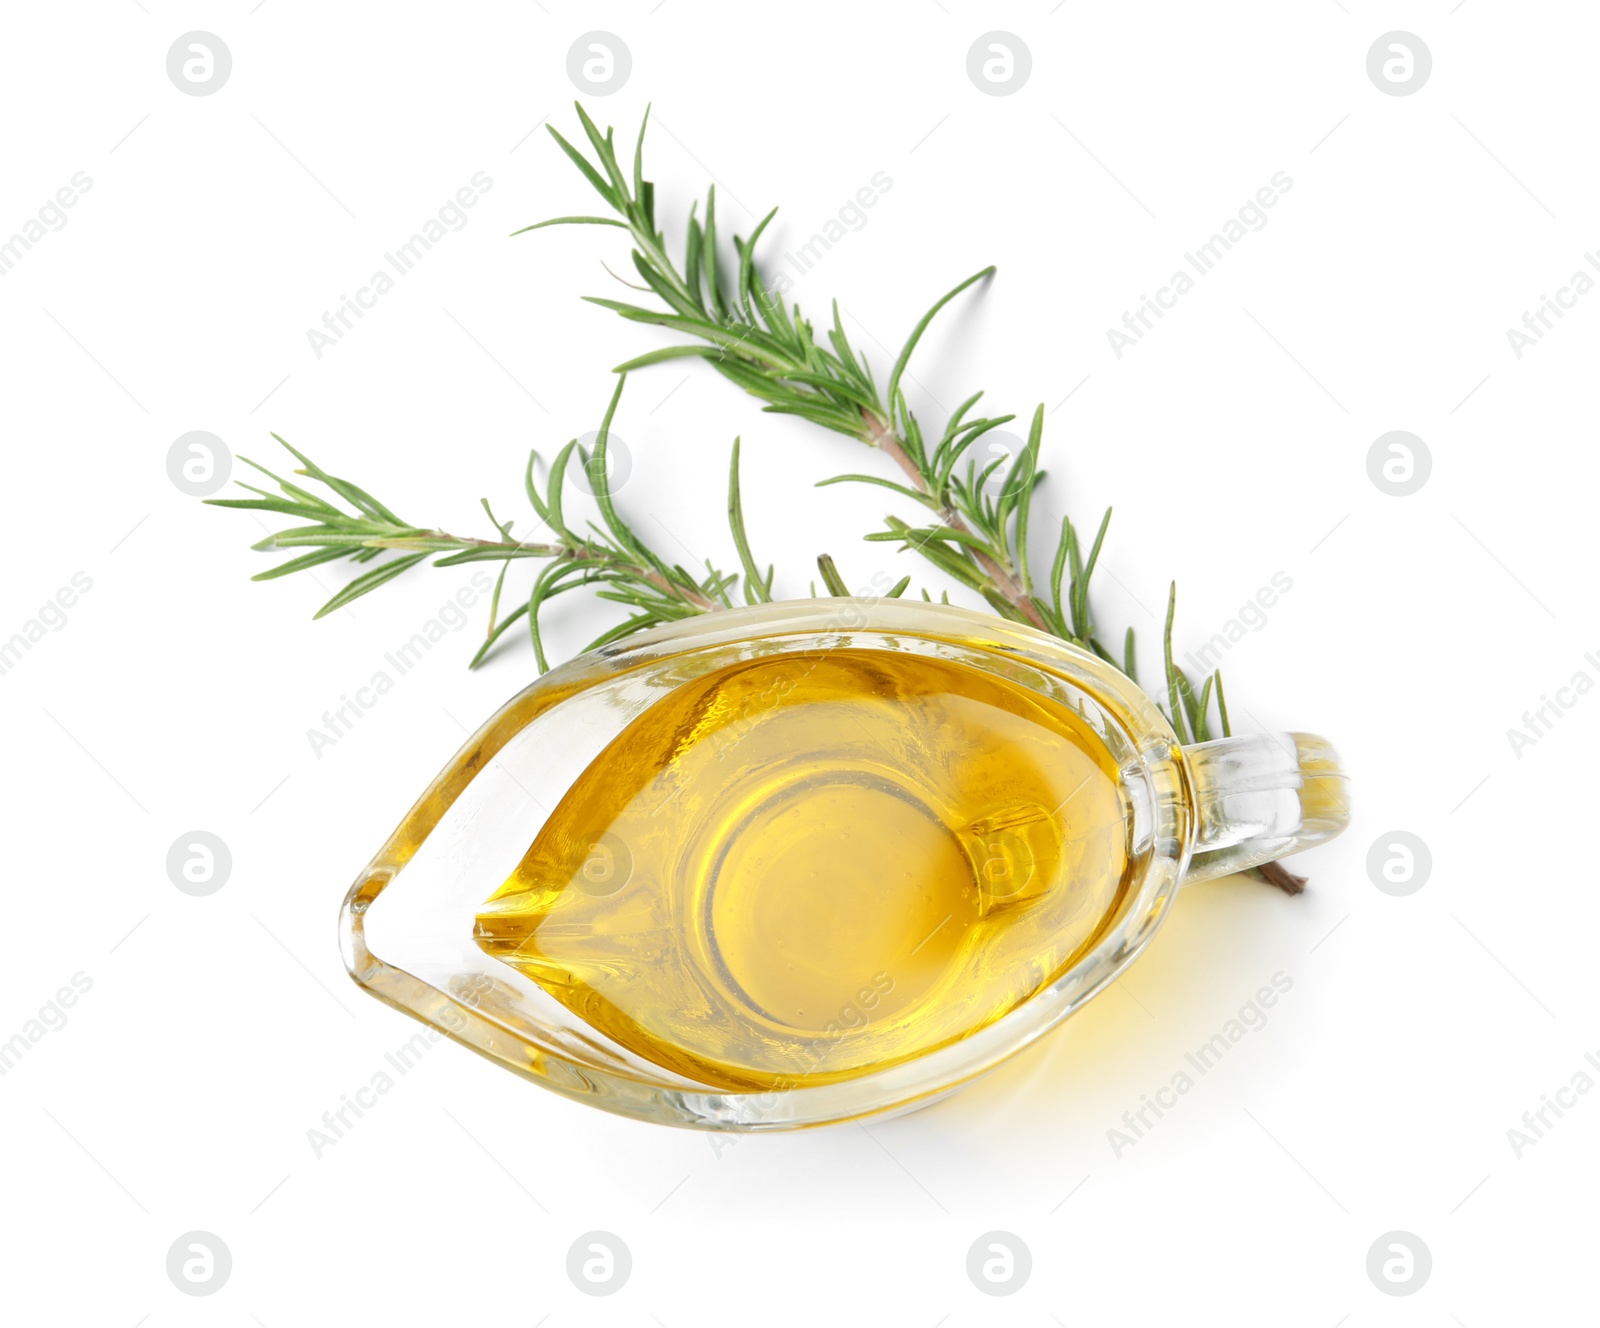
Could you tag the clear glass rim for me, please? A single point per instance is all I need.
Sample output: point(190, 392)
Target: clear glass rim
point(897, 1087)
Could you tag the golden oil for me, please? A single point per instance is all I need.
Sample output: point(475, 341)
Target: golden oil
point(797, 869)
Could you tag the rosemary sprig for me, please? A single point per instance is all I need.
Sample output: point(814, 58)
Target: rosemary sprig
point(976, 530)
point(611, 556)
point(773, 353)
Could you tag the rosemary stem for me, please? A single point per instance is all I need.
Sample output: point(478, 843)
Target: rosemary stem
point(693, 598)
point(878, 434)
point(430, 539)
point(572, 552)
point(1275, 873)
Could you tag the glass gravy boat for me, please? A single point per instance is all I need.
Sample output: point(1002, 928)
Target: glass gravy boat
point(431, 925)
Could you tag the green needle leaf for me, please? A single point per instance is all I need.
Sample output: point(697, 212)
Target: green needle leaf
point(571, 221)
point(370, 581)
point(922, 326)
point(758, 589)
point(1174, 691)
point(305, 560)
point(831, 578)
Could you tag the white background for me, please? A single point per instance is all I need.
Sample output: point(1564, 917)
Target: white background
point(1233, 441)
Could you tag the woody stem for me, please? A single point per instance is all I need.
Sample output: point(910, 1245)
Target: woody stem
point(1003, 579)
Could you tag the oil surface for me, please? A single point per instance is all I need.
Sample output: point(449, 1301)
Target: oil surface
point(799, 869)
